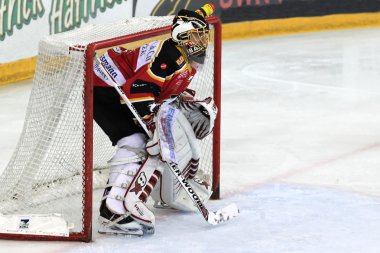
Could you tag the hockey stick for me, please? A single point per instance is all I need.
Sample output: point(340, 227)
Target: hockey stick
point(213, 218)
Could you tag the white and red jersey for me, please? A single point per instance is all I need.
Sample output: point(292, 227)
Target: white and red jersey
point(151, 73)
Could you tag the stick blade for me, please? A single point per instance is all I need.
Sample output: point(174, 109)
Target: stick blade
point(223, 215)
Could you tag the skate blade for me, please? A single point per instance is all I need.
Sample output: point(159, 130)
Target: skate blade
point(117, 231)
point(148, 230)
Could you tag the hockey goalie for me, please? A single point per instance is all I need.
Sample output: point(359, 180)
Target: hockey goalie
point(139, 171)
point(155, 78)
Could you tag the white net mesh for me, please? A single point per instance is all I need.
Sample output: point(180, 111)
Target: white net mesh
point(45, 174)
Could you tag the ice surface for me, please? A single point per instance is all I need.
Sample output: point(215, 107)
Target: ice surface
point(300, 152)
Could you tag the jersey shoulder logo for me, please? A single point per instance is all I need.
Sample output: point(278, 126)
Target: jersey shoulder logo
point(147, 53)
point(111, 68)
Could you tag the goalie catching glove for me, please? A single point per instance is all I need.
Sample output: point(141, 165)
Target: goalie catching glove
point(201, 114)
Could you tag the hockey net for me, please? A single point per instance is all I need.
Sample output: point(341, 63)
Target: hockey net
point(62, 154)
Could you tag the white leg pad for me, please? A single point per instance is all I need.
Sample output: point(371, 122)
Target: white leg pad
point(169, 192)
point(119, 185)
point(140, 189)
point(123, 167)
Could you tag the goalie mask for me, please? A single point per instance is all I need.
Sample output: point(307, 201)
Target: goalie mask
point(190, 30)
point(201, 115)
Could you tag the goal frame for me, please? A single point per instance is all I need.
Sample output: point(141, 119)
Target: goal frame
point(86, 234)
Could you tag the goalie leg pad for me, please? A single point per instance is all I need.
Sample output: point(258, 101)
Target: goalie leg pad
point(140, 189)
point(170, 194)
point(123, 167)
point(114, 218)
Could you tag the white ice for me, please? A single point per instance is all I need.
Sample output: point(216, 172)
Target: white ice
point(300, 152)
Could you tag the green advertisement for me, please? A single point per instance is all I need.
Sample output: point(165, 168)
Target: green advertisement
point(17, 13)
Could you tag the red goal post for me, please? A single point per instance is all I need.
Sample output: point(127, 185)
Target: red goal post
point(88, 133)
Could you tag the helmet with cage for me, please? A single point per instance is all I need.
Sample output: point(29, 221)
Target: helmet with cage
point(190, 30)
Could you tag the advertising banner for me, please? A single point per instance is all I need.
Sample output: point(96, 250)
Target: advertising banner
point(24, 22)
point(237, 11)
